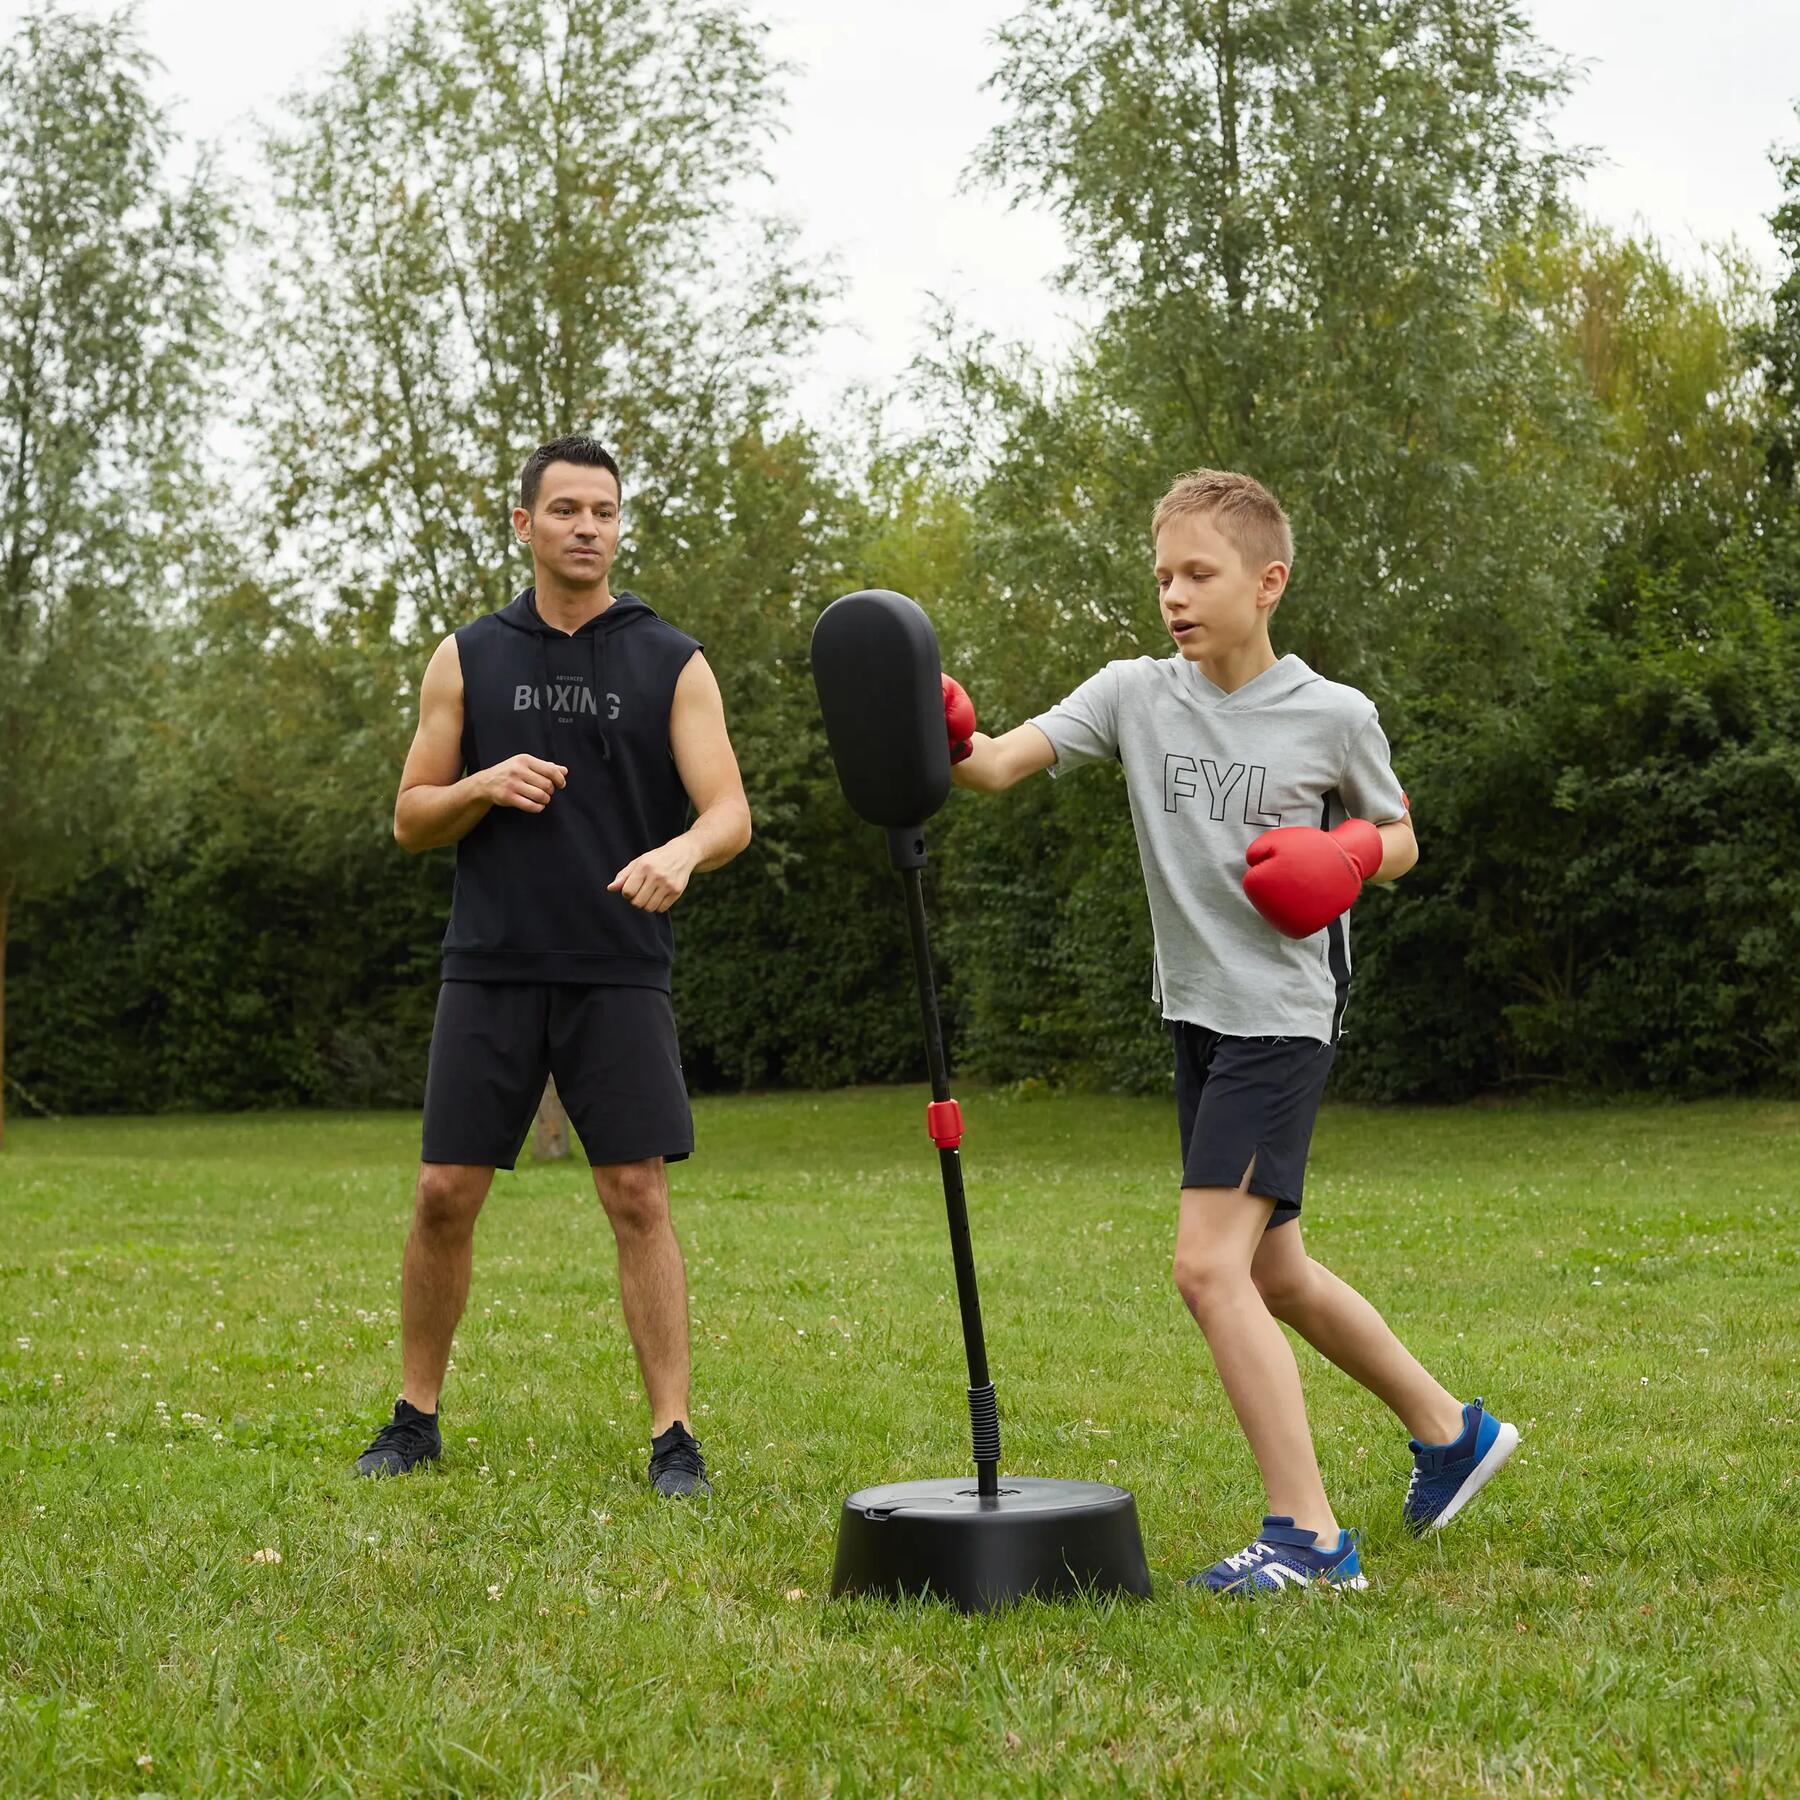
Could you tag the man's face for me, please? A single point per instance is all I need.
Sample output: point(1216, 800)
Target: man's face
point(573, 530)
point(1210, 600)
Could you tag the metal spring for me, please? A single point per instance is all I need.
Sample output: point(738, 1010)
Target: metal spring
point(984, 1422)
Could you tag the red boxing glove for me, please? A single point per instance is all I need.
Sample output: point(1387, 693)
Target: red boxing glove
point(959, 718)
point(1301, 878)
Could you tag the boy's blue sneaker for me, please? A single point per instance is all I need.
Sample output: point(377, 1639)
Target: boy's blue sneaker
point(1284, 1556)
point(1446, 1477)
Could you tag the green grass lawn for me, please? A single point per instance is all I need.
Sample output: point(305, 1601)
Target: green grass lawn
point(199, 1320)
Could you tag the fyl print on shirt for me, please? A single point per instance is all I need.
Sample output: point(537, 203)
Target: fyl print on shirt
point(565, 698)
point(1180, 783)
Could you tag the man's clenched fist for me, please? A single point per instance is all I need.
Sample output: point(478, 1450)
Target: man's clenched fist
point(654, 881)
point(526, 782)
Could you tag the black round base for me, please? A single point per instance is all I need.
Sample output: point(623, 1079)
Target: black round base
point(1037, 1537)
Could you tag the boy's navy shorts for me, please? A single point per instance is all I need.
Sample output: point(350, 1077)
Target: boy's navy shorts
point(1244, 1101)
point(612, 1050)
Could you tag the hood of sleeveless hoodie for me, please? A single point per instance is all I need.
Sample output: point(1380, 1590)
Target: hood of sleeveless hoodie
point(627, 609)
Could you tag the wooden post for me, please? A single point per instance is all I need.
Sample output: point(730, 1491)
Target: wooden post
point(550, 1134)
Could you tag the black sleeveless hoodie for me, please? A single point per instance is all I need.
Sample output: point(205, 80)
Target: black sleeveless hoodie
point(531, 901)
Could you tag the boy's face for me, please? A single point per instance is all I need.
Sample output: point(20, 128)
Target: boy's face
point(1212, 604)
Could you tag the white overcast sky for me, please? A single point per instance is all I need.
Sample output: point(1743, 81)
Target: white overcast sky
point(1683, 102)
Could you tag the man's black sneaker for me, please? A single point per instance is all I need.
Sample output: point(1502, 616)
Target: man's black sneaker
point(676, 1465)
point(408, 1439)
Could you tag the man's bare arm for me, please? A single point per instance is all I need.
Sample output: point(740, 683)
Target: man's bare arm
point(437, 803)
point(708, 767)
point(994, 763)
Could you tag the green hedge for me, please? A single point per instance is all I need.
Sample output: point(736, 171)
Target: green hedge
point(1608, 898)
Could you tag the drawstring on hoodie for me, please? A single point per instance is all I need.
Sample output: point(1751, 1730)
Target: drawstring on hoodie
point(599, 668)
point(596, 664)
point(543, 659)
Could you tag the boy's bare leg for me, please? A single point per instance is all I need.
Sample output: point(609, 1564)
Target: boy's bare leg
point(1215, 1245)
point(652, 1282)
point(1341, 1325)
point(434, 1274)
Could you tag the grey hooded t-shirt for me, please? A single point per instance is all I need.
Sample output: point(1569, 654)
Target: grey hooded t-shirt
point(1207, 773)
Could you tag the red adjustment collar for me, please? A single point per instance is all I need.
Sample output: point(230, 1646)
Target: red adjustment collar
point(943, 1119)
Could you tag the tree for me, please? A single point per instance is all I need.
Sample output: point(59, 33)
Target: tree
point(1775, 342)
point(1683, 419)
point(499, 224)
point(1607, 898)
point(1285, 213)
point(108, 282)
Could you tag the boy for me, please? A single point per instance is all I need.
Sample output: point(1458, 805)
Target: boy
point(1262, 799)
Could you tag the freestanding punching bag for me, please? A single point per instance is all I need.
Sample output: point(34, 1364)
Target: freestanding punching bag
point(981, 1543)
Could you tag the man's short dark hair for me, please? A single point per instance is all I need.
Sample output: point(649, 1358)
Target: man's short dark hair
point(586, 452)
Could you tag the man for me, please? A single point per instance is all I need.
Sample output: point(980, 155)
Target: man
point(560, 742)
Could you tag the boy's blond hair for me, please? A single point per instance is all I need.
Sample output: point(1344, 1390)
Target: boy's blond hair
point(1248, 515)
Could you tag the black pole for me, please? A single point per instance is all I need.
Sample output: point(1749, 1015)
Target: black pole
point(984, 1412)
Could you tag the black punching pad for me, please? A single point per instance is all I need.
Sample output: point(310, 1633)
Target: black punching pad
point(875, 665)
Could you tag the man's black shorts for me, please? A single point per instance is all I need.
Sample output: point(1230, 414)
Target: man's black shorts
point(612, 1050)
point(1244, 1100)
